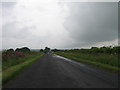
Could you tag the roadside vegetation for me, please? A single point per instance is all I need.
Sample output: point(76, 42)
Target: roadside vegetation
point(104, 57)
point(13, 62)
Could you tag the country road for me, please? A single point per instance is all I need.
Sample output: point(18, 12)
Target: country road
point(53, 71)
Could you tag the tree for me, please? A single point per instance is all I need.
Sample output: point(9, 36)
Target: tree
point(55, 50)
point(17, 49)
point(24, 49)
point(94, 49)
point(10, 50)
point(41, 50)
point(46, 50)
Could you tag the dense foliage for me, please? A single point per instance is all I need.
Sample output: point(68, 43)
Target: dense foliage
point(46, 50)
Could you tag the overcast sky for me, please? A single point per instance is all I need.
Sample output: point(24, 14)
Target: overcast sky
point(59, 24)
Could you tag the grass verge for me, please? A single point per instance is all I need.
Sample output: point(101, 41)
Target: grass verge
point(13, 71)
point(95, 60)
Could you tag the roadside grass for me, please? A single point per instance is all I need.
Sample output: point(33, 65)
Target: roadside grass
point(14, 58)
point(0, 69)
point(12, 70)
point(106, 61)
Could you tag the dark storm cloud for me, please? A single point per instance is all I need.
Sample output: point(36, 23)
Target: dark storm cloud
point(94, 22)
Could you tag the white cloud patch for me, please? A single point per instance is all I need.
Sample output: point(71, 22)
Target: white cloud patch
point(35, 24)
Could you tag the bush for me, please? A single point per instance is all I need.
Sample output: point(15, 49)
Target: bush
point(46, 50)
point(10, 50)
point(24, 49)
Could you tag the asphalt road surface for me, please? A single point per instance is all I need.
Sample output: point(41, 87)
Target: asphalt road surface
point(53, 71)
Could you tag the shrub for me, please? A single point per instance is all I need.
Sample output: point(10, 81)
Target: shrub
point(24, 49)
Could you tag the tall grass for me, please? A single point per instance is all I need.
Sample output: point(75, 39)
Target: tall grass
point(108, 61)
point(14, 58)
point(15, 62)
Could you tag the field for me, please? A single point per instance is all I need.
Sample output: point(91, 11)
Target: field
point(107, 60)
point(101, 60)
point(14, 62)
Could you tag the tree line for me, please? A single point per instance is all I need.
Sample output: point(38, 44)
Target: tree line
point(25, 49)
point(109, 49)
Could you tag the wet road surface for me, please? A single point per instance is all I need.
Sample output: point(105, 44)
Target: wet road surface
point(53, 71)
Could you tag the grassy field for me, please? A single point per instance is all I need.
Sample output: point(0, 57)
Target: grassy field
point(106, 61)
point(13, 65)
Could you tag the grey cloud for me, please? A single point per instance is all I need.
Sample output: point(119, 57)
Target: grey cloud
point(8, 4)
point(89, 23)
point(11, 30)
point(13, 36)
point(86, 24)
